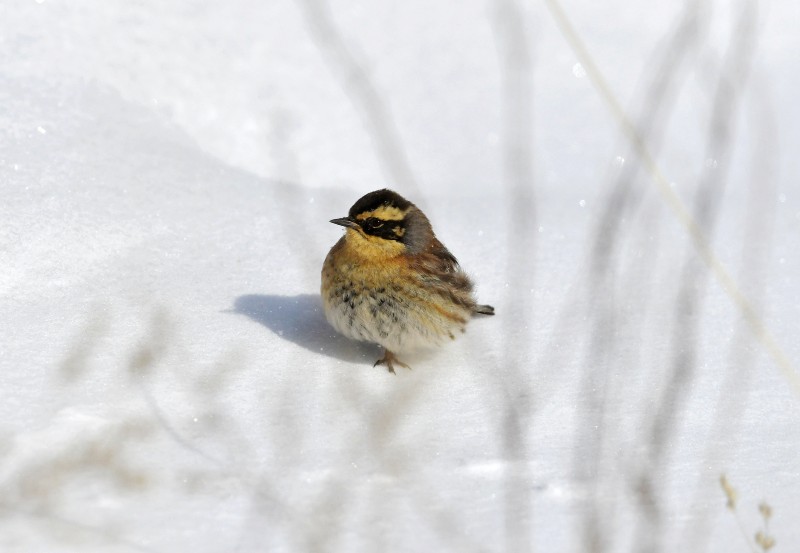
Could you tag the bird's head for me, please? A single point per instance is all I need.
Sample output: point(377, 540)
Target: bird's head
point(383, 223)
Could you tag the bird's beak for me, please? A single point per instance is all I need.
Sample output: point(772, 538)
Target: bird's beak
point(345, 222)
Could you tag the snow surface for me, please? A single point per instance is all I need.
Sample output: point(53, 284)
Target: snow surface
point(167, 379)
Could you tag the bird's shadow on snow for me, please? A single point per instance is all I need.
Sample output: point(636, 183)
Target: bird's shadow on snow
point(300, 319)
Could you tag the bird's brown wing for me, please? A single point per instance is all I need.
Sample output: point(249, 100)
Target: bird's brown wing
point(444, 275)
point(441, 256)
point(439, 272)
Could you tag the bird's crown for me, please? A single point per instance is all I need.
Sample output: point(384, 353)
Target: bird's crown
point(383, 204)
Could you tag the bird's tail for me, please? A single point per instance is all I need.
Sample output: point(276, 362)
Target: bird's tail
point(483, 310)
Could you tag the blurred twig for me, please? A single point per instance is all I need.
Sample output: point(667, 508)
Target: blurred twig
point(59, 523)
point(741, 358)
point(514, 53)
point(607, 299)
point(709, 195)
point(679, 210)
point(362, 92)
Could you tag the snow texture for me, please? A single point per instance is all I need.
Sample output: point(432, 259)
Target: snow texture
point(168, 381)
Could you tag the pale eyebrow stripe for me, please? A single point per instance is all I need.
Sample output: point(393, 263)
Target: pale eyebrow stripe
point(386, 213)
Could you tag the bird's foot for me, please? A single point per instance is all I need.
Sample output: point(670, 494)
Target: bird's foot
point(389, 359)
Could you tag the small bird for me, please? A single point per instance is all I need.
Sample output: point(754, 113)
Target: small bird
point(390, 281)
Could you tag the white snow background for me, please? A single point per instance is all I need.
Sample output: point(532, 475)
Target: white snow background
point(168, 170)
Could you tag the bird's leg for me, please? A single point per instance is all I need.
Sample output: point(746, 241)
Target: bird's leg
point(389, 359)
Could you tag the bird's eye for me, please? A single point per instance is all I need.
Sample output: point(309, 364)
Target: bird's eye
point(374, 222)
